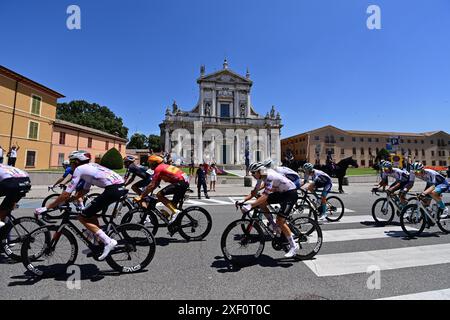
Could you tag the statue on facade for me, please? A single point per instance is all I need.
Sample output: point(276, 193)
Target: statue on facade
point(175, 108)
point(168, 112)
point(208, 109)
point(272, 112)
point(243, 110)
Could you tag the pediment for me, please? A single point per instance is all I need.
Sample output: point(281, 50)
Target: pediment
point(224, 76)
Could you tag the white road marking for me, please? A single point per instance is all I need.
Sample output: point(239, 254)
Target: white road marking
point(428, 295)
point(360, 234)
point(388, 259)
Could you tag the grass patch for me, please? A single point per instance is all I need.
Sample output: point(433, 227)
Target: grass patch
point(360, 171)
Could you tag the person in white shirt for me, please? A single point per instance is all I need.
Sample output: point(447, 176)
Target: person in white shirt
point(2, 152)
point(12, 155)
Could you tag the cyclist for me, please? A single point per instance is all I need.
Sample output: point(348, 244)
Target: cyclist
point(14, 184)
point(403, 181)
point(179, 184)
point(285, 171)
point(436, 185)
point(92, 174)
point(278, 189)
point(319, 180)
point(134, 170)
point(67, 172)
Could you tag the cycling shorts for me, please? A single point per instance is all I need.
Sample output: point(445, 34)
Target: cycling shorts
point(143, 183)
point(13, 189)
point(441, 188)
point(403, 187)
point(287, 200)
point(177, 189)
point(326, 187)
point(110, 195)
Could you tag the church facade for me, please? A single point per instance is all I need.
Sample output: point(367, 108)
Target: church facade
point(223, 127)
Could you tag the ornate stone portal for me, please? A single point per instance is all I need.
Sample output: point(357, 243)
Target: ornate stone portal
point(223, 125)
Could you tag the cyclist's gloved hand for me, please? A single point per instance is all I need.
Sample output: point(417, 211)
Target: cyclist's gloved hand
point(374, 189)
point(246, 208)
point(137, 199)
point(40, 211)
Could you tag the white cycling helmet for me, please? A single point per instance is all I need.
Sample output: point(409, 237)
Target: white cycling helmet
point(129, 159)
point(268, 163)
point(308, 166)
point(256, 166)
point(417, 166)
point(80, 156)
point(66, 163)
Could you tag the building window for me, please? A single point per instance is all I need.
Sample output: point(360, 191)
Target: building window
point(402, 141)
point(31, 159)
point(387, 139)
point(62, 138)
point(433, 163)
point(106, 145)
point(409, 141)
point(60, 158)
point(89, 143)
point(377, 140)
point(432, 142)
point(416, 152)
point(424, 162)
point(377, 150)
point(432, 154)
point(342, 151)
point(354, 139)
point(316, 138)
point(36, 105)
point(354, 151)
point(33, 130)
point(423, 153)
point(415, 141)
point(342, 138)
point(363, 163)
point(370, 139)
point(362, 151)
point(361, 139)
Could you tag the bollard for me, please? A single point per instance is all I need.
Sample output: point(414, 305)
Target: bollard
point(247, 181)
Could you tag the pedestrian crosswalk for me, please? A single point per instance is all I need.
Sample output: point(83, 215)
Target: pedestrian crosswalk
point(402, 254)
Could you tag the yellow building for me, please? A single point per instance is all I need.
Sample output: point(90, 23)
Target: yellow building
point(27, 113)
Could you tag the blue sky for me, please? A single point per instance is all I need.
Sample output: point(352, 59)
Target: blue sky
point(315, 60)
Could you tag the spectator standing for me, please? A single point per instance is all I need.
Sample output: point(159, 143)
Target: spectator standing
point(212, 177)
point(12, 155)
point(200, 180)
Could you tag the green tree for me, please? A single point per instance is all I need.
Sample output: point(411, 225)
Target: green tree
point(92, 115)
point(112, 159)
point(138, 141)
point(382, 154)
point(154, 142)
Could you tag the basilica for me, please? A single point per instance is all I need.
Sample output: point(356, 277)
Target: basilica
point(223, 127)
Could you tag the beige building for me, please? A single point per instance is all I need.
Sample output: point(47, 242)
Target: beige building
point(68, 137)
point(27, 112)
point(432, 148)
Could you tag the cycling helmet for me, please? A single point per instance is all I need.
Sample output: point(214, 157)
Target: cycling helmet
point(268, 163)
point(387, 165)
point(66, 163)
point(80, 156)
point(129, 159)
point(256, 166)
point(308, 166)
point(417, 166)
point(155, 159)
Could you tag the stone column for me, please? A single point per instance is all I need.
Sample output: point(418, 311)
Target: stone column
point(201, 104)
point(167, 140)
point(248, 104)
point(236, 103)
point(214, 103)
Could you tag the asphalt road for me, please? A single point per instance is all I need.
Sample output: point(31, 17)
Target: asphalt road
point(197, 270)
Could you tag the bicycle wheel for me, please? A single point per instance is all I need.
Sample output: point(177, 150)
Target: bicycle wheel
point(308, 234)
point(302, 210)
point(242, 248)
point(444, 224)
point(382, 212)
point(412, 220)
point(135, 248)
point(53, 214)
point(56, 251)
point(335, 208)
point(149, 220)
point(122, 208)
point(15, 233)
point(194, 223)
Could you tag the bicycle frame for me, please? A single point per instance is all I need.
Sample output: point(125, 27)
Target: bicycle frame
point(426, 209)
point(390, 199)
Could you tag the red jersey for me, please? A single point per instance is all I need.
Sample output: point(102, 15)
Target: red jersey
point(168, 173)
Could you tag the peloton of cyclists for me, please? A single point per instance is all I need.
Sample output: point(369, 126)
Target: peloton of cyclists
point(436, 185)
point(179, 184)
point(14, 184)
point(92, 174)
point(319, 180)
point(277, 190)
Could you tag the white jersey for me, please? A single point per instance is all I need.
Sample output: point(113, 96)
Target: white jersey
point(398, 174)
point(1, 153)
point(318, 176)
point(93, 174)
point(276, 182)
point(7, 172)
point(432, 177)
point(13, 153)
point(288, 173)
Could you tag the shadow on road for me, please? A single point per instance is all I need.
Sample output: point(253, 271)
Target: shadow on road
point(376, 225)
point(401, 234)
point(87, 272)
point(224, 266)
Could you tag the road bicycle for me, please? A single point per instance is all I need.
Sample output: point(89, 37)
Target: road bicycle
point(385, 209)
point(308, 205)
point(57, 247)
point(416, 216)
point(14, 233)
point(52, 197)
point(243, 240)
point(193, 223)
